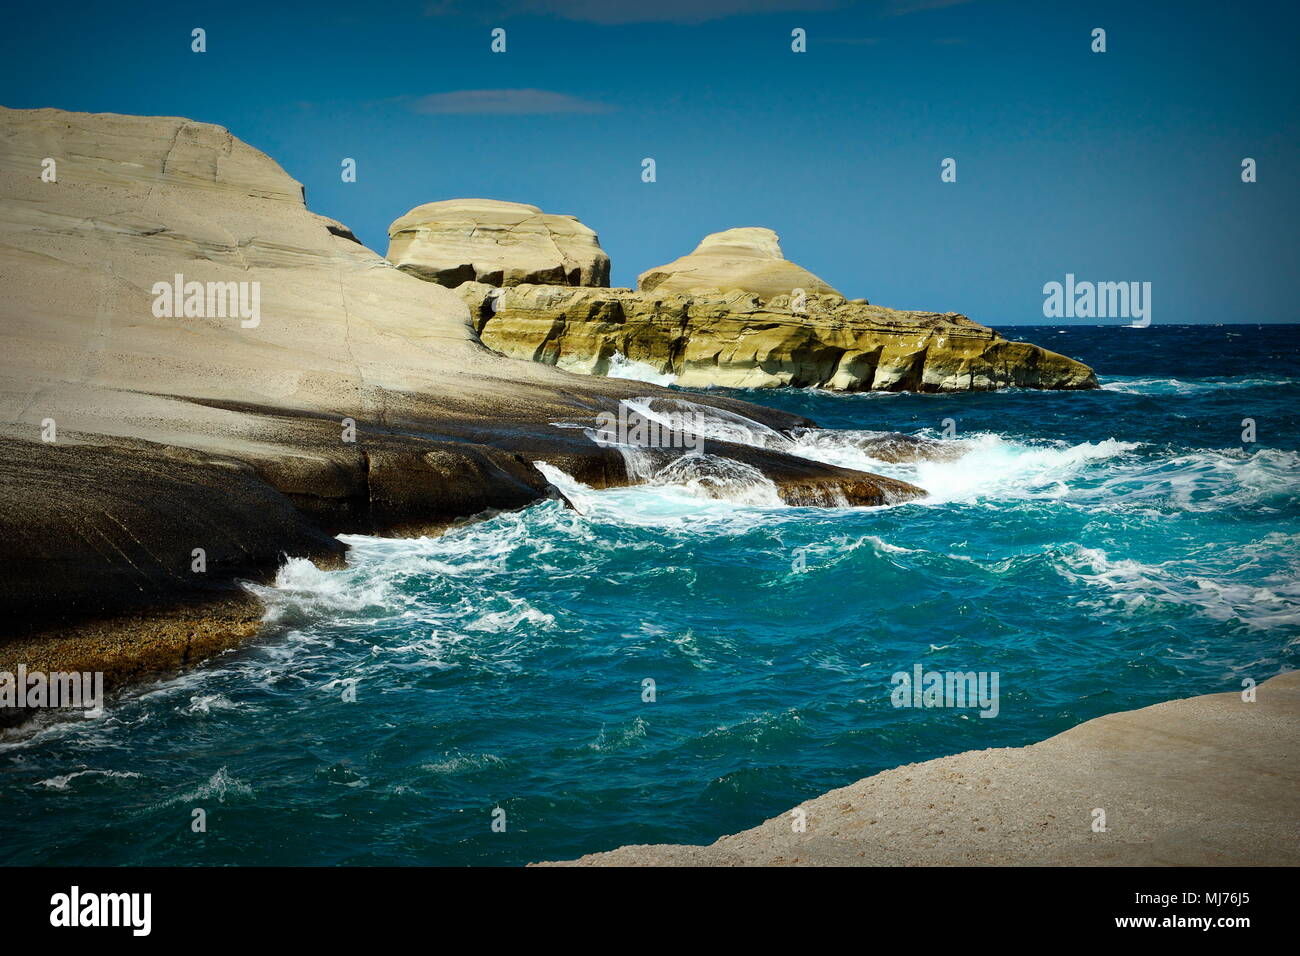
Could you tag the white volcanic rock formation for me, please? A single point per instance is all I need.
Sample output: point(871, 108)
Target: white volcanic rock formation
point(495, 242)
point(734, 313)
point(748, 259)
point(298, 385)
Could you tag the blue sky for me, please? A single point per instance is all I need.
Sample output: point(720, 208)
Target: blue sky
point(1120, 166)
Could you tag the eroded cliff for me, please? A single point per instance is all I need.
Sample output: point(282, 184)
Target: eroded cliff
point(740, 340)
point(733, 313)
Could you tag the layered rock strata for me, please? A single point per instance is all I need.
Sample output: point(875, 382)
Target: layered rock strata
point(741, 340)
point(733, 313)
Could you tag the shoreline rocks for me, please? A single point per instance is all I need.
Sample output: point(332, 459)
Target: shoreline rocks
point(1204, 781)
point(736, 339)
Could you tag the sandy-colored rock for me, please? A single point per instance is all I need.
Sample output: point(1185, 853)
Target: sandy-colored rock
point(499, 243)
point(129, 438)
point(741, 340)
point(747, 259)
point(1207, 781)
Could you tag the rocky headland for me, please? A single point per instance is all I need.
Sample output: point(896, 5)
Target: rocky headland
point(733, 313)
point(201, 377)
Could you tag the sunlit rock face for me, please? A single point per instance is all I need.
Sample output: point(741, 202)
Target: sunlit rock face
point(748, 259)
point(733, 313)
point(740, 340)
point(499, 243)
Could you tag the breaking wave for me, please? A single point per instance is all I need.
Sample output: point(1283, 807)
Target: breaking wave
point(622, 367)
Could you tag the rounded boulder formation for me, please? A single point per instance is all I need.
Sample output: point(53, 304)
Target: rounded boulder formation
point(748, 259)
point(498, 243)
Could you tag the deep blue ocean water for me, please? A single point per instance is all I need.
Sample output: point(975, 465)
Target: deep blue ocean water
point(1100, 551)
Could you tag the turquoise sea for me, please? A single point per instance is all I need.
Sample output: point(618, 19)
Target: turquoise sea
point(1100, 551)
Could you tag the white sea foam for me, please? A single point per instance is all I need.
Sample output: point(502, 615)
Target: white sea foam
point(623, 367)
point(1204, 480)
point(981, 465)
point(302, 589)
point(519, 613)
point(691, 485)
point(709, 422)
point(621, 737)
point(220, 786)
point(711, 476)
point(207, 703)
point(579, 494)
point(995, 468)
point(463, 763)
point(986, 466)
point(1138, 385)
point(990, 467)
point(62, 782)
point(1135, 585)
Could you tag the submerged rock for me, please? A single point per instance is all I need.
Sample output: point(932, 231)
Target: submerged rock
point(741, 340)
point(893, 447)
point(500, 243)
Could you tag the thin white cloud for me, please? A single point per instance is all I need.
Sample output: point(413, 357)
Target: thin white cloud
point(615, 12)
point(505, 102)
point(669, 11)
point(900, 7)
point(618, 12)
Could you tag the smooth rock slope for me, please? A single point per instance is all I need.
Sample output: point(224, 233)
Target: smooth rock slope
point(1207, 781)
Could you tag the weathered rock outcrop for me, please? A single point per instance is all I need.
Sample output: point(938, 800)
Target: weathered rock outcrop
point(734, 313)
point(741, 340)
point(353, 397)
point(500, 243)
point(748, 259)
point(1168, 776)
